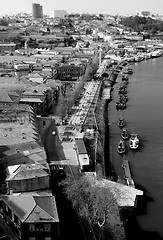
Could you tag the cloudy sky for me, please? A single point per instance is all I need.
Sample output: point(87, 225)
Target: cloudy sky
point(80, 6)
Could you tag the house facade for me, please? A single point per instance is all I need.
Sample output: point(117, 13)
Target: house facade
point(70, 72)
point(41, 99)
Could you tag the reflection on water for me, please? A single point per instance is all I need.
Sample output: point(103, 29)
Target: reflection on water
point(143, 113)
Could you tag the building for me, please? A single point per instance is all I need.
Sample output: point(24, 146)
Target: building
point(37, 11)
point(144, 14)
point(16, 124)
point(30, 217)
point(58, 14)
point(4, 46)
point(36, 77)
point(40, 98)
point(82, 154)
point(27, 177)
point(70, 71)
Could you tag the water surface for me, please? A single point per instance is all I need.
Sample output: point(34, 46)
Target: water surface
point(144, 113)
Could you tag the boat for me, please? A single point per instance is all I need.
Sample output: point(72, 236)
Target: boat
point(122, 91)
point(156, 53)
point(125, 134)
point(130, 70)
point(123, 85)
point(123, 98)
point(121, 147)
point(134, 141)
point(125, 77)
point(120, 105)
point(121, 122)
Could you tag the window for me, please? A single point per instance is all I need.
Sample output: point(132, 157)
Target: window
point(44, 123)
point(47, 238)
point(31, 228)
point(32, 238)
point(47, 227)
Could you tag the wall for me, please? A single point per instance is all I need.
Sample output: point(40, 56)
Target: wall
point(26, 185)
point(43, 123)
point(39, 232)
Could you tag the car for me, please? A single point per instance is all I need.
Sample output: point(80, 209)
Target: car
point(53, 133)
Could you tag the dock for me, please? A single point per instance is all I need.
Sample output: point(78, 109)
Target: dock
point(127, 173)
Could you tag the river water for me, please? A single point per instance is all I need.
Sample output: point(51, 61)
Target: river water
point(144, 113)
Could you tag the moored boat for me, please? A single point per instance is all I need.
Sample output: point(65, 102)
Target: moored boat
point(125, 77)
point(121, 122)
point(123, 98)
point(130, 70)
point(122, 91)
point(125, 134)
point(121, 147)
point(134, 141)
point(120, 105)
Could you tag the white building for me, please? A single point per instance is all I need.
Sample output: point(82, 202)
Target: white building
point(144, 14)
point(58, 14)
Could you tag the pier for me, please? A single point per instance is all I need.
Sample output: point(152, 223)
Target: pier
point(127, 173)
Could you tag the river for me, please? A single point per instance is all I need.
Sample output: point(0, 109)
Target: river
point(144, 113)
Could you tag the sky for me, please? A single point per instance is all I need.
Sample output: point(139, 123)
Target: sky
point(83, 6)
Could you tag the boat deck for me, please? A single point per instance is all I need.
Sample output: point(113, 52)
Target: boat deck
point(127, 176)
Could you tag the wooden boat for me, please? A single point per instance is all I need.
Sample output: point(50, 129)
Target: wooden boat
point(134, 141)
point(120, 105)
point(125, 81)
point(121, 147)
point(122, 91)
point(130, 70)
point(123, 98)
point(121, 122)
point(123, 86)
point(125, 77)
point(125, 134)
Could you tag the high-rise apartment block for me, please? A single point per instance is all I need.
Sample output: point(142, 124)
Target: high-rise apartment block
point(37, 11)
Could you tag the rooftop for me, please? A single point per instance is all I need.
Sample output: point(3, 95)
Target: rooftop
point(16, 126)
point(26, 171)
point(34, 208)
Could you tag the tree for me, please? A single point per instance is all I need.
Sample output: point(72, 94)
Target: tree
point(90, 201)
point(32, 43)
point(93, 202)
point(18, 40)
point(3, 22)
point(61, 107)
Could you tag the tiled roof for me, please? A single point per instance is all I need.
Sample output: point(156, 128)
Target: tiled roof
point(80, 146)
point(4, 97)
point(35, 75)
point(24, 154)
point(19, 133)
point(30, 208)
point(31, 147)
point(27, 171)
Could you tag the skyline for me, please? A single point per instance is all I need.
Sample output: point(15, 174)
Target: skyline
point(86, 6)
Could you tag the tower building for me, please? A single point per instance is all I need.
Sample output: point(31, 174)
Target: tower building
point(37, 11)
